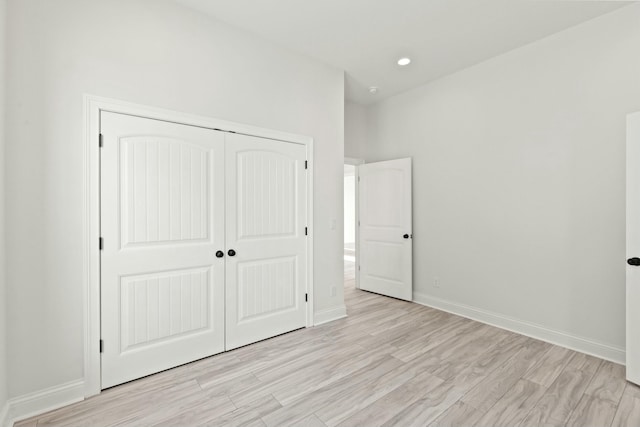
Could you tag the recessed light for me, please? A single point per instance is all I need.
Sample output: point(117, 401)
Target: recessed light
point(404, 61)
point(373, 90)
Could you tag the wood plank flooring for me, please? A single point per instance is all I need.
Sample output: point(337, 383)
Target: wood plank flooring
point(390, 363)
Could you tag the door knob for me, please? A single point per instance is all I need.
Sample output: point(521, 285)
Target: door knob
point(633, 261)
point(219, 254)
point(231, 252)
point(406, 236)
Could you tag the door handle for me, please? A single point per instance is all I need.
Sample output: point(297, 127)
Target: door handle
point(231, 252)
point(406, 236)
point(633, 261)
point(219, 254)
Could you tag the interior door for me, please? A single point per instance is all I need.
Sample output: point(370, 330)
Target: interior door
point(266, 241)
point(633, 248)
point(385, 228)
point(162, 221)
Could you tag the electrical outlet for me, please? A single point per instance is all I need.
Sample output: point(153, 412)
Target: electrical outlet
point(436, 282)
point(334, 291)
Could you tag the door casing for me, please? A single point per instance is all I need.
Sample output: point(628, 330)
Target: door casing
point(633, 248)
point(93, 106)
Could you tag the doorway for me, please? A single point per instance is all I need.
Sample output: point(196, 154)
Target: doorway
point(351, 232)
point(350, 221)
point(377, 244)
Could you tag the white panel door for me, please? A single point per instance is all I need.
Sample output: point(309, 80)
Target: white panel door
point(266, 242)
point(385, 228)
point(633, 248)
point(162, 221)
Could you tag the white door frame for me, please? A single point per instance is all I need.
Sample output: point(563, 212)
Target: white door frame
point(93, 106)
point(356, 162)
point(632, 247)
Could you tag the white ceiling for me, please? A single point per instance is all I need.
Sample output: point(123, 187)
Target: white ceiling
point(366, 37)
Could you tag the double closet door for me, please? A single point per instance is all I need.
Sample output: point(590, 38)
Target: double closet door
point(203, 243)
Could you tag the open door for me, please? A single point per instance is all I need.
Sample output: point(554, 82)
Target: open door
point(385, 228)
point(633, 248)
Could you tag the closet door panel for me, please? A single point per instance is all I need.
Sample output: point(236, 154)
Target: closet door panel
point(265, 213)
point(162, 220)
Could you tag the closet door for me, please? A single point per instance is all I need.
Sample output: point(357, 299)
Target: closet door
point(162, 221)
point(266, 242)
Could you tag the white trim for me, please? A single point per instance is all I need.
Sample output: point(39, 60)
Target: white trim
point(563, 339)
point(42, 401)
point(91, 257)
point(357, 209)
point(93, 105)
point(329, 315)
point(4, 416)
point(632, 280)
point(311, 231)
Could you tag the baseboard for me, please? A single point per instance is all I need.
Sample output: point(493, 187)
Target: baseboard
point(563, 339)
point(28, 405)
point(4, 415)
point(329, 315)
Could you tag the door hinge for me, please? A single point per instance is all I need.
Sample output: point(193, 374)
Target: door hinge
point(306, 297)
point(101, 244)
point(358, 268)
point(306, 164)
point(101, 346)
point(100, 142)
point(306, 231)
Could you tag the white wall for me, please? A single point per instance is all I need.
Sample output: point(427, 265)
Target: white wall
point(519, 178)
point(149, 52)
point(349, 205)
point(3, 303)
point(355, 128)
point(354, 147)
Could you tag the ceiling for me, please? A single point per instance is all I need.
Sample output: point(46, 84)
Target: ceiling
point(366, 37)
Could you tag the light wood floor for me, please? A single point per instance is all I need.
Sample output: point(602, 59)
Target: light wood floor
point(389, 363)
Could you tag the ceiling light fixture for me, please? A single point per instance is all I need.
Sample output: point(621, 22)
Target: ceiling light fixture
point(404, 61)
point(373, 90)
